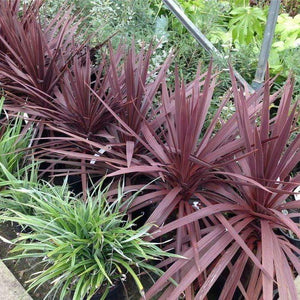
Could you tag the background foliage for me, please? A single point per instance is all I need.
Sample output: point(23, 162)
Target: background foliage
point(234, 27)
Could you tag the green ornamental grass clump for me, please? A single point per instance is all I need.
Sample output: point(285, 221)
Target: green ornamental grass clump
point(12, 143)
point(85, 246)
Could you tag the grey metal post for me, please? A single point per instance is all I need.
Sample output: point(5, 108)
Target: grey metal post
point(266, 45)
point(200, 37)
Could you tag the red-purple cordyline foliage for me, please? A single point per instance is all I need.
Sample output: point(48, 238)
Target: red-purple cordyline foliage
point(177, 153)
point(242, 234)
point(126, 91)
point(47, 75)
point(33, 59)
point(32, 56)
point(11, 8)
point(122, 85)
point(75, 105)
point(52, 79)
point(138, 95)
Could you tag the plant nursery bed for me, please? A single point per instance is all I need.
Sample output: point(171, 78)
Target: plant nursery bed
point(118, 160)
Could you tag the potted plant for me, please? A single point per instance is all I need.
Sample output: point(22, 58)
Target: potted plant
point(86, 247)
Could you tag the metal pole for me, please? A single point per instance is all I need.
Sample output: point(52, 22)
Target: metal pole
point(200, 37)
point(266, 45)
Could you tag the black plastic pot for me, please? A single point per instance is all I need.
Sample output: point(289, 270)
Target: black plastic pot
point(115, 293)
point(293, 241)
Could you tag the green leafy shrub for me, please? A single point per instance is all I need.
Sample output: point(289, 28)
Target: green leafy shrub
point(85, 246)
point(286, 45)
point(125, 18)
point(236, 29)
point(247, 24)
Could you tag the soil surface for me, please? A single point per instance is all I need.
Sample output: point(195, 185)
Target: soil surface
point(23, 268)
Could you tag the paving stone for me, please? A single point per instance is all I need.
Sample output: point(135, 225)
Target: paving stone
point(10, 288)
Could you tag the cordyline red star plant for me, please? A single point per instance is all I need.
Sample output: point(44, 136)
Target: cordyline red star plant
point(32, 56)
point(243, 239)
point(48, 75)
point(124, 88)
